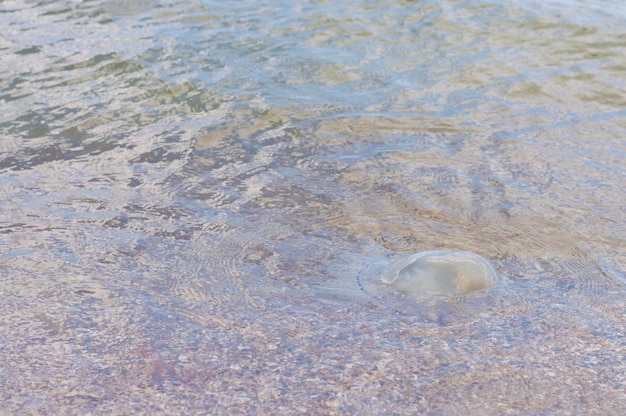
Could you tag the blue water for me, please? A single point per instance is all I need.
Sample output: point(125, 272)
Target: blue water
point(198, 200)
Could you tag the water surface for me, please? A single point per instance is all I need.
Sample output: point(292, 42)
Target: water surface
point(195, 196)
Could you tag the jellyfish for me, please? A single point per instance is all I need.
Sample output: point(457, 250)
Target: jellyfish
point(448, 272)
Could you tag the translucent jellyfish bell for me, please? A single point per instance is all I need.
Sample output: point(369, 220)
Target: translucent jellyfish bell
point(440, 271)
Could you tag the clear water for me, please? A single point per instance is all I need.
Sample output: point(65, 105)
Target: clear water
point(194, 193)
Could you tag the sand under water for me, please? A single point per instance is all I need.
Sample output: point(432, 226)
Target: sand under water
point(197, 196)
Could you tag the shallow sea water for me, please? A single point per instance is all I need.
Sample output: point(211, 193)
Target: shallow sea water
point(198, 199)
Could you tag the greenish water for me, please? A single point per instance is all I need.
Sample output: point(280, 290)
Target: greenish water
point(197, 199)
